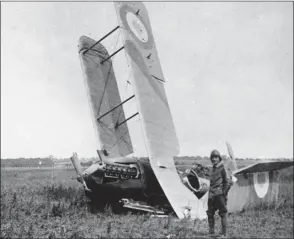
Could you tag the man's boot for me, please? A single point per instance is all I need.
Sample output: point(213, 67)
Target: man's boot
point(224, 225)
point(211, 225)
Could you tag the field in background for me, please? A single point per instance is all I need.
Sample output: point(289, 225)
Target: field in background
point(49, 203)
point(50, 162)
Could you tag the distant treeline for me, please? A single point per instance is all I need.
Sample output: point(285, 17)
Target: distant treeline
point(47, 162)
point(27, 162)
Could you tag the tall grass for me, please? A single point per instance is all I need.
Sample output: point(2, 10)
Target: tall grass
point(51, 204)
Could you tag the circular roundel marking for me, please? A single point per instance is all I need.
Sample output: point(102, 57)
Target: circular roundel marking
point(137, 27)
point(261, 183)
point(135, 24)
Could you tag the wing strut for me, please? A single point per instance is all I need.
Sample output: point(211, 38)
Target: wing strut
point(98, 119)
point(117, 51)
point(101, 39)
point(116, 126)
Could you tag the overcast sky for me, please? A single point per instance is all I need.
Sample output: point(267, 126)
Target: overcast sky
point(228, 67)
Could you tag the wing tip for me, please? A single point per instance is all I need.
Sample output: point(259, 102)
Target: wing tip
point(86, 42)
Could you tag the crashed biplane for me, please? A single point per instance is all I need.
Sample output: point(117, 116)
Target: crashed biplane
point(150, 184)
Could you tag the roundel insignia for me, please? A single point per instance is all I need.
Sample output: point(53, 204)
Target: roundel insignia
point(136, 26)
point(261, 183)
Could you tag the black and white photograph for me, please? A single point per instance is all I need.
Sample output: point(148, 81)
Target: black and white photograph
point(146, 119)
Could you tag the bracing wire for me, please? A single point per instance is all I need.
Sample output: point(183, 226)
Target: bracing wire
point(121, 108)
point(127, 144)
point(108, 74)
point(102, 124)
point(104, 89)
point(120, 139)
point(97, 64)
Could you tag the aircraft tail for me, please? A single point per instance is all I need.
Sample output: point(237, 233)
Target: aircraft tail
point(106, 105)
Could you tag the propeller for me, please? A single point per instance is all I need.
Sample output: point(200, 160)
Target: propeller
point(231, 154)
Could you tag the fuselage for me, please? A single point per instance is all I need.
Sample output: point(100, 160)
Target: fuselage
point(117, 178)
point(130, 178)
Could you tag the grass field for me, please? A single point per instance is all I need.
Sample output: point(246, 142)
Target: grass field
point(44, 203)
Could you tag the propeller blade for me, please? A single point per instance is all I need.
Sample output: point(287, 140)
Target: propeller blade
point(230, 150)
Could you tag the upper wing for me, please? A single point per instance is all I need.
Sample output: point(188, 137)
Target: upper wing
point(148, 81)
point(103, 96)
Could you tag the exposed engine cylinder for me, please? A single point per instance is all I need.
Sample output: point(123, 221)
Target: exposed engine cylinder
point(122, 171)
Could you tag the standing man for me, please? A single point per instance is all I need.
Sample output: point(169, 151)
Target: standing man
point(218, 192)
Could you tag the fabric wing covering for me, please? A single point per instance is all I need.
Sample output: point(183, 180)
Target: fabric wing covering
point(103, 96)
point(155, 115)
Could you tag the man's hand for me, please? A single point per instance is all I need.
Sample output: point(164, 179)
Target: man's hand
point(79, 178)
point(234, 179)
